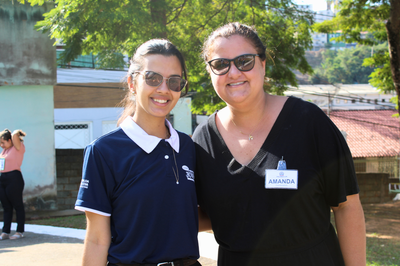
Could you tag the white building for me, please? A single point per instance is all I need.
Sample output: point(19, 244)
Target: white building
point(77, 127)
point(343, 96)
point(319, 39)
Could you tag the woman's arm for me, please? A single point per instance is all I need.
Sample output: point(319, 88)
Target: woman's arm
point(350, 226)
point(15, 138)
point(97, 240)
point(204, 221)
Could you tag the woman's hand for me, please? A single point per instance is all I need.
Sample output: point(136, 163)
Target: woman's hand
point(15, 138)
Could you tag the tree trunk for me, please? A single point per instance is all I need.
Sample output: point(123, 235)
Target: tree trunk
point(393, 33)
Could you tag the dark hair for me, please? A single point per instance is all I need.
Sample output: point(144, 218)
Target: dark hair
point(230, 29)
point(151, 47)
point(6, 135)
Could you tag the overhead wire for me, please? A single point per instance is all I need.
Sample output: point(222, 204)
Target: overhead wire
point(342, 97)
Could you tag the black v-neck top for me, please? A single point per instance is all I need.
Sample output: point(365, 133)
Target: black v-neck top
point(284, 225)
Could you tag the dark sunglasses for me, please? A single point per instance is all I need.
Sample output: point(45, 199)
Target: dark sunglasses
point(154, 79)
point(221, 66)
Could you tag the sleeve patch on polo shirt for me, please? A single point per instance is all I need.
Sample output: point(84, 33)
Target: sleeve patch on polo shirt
point(84, 183)
point(189, 173)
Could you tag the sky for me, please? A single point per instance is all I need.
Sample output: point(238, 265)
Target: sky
point(317, 5)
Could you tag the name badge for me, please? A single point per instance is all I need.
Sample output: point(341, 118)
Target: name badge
point(2, 163)
point(280, 179)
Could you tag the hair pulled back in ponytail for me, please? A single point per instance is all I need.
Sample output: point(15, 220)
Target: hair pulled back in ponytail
point(151, 47)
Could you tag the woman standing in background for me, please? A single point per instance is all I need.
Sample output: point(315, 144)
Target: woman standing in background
point(11, 181)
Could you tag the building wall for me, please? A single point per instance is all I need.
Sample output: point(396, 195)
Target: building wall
point(27, 57)
point(27, 75)
point(374, 187)
point(30, 108)
point(183, 116)
point(103, 120)
point(93, 117)
point(88, 95)
point(69, 175)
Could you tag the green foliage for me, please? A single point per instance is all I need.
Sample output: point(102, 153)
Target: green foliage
point(343, 66)
point(358, 17)
point(109, 27)
point(381, 78)
point(110, 60)
point(75, 221)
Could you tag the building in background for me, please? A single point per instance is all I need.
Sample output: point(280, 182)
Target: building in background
point(343, 96)
point(324, 40)
point(86, 106)
point(373, 137)
point(366, 119)
point(27, 76)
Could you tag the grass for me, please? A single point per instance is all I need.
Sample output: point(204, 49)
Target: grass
point(75, 221)
point(380, 251)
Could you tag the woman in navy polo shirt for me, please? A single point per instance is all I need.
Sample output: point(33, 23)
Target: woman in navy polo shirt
point(137, 186)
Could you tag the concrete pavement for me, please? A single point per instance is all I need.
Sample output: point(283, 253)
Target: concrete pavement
point(48, 245)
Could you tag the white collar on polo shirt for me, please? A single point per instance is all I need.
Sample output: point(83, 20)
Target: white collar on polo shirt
point(145, 141)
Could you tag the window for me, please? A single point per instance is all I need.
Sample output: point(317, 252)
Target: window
point(75, 135)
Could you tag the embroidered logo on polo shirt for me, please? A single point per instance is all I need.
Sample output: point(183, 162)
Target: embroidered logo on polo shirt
point(85, 183)
point(189, 173)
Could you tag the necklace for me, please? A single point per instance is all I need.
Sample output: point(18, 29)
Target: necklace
point(177, 172)
point(251, 133)
point(250, 136)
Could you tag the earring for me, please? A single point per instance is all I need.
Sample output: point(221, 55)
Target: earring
point(132, 90)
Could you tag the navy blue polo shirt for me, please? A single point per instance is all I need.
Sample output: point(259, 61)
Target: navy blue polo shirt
point(129, 176)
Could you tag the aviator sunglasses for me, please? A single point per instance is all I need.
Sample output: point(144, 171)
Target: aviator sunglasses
point(174, 83)
point(221, 66)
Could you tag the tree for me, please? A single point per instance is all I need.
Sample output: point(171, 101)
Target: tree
point(119, 26)
point(345, 66)
point(381, 19)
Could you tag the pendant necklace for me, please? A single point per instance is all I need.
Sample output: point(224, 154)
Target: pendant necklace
point(250, 136)
point(177, 171)
point(176, 174)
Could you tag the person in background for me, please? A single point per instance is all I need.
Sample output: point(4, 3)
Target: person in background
point(11, 182)
point(137, 187)
point(271, 168)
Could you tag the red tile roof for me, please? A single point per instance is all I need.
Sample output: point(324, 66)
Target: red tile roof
point(370, 133)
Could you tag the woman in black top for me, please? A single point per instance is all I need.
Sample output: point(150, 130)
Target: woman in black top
point(271, 168)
